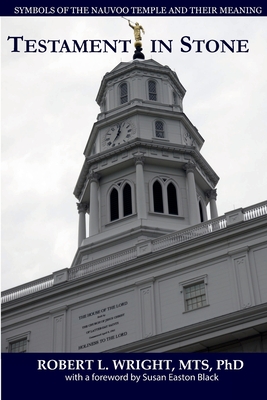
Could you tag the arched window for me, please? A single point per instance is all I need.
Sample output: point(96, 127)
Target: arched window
point(157, 197)
point(114, 205)
point(120, 201)
point(152, 90)
point(123, 93)
point(172, 199)
point(165, 196)
point(159, 129)
point(127, 200)
point(201, 212)
point(175, 98)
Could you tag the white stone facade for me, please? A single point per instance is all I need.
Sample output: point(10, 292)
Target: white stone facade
point(139, 304)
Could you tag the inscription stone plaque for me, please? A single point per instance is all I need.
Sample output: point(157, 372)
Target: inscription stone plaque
point(105, 324)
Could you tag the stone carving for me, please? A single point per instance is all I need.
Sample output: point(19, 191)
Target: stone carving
point(189, 167)
point(139, 158)
point(93, 176)
point(212, 194)
point(82, 207)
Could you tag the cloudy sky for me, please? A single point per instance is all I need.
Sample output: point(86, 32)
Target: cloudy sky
point(48, 108)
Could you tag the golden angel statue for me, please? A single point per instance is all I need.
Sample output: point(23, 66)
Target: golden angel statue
point(137, 30)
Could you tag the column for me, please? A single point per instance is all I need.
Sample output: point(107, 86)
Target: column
point(94, 204)
point(193, 208)
point(212, 195)
point(140, 187)
point(82, 209)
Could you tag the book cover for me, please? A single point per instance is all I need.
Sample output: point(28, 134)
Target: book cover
point(53, 60)
point(49, 107)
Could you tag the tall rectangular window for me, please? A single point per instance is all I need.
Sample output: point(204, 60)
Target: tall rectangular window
point(152, 90)
point(195, 296)
point(123, 93)
point(159, 129)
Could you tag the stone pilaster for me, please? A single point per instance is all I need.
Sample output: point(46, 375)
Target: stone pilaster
point(193, 209)
point(212, 195)
point(140, 186)
point(93, 178)
point(82, 209)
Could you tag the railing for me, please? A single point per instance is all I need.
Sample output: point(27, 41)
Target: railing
point(189, 233)
point(160, 243)
point(257, 211)
point(102, 263)
point(28, 288)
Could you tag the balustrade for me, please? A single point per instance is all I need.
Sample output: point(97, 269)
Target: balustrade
point(160, 243)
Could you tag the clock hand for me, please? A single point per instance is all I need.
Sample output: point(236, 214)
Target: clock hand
point(118, 134)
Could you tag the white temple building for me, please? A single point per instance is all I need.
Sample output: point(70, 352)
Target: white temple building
point(160, 271)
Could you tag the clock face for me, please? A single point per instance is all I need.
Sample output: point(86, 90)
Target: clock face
point(119, 134)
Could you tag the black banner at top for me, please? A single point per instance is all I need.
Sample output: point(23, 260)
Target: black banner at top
point(167, 8)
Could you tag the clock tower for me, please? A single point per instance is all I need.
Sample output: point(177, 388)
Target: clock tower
point(143, 175)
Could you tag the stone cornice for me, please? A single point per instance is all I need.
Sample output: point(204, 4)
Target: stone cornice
point(146, 145)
